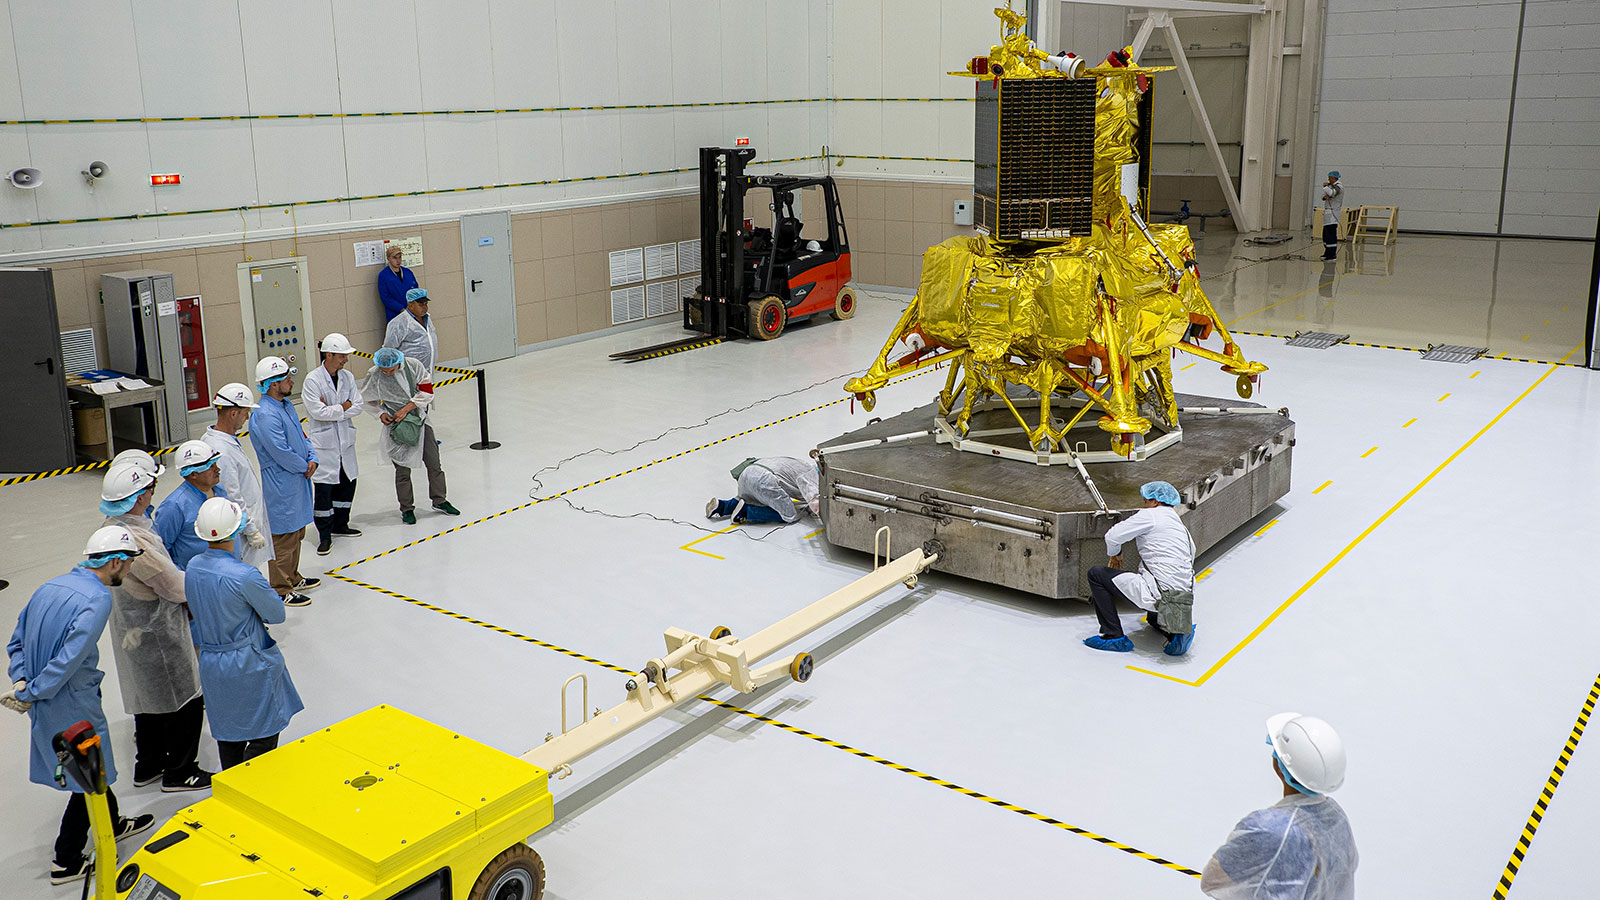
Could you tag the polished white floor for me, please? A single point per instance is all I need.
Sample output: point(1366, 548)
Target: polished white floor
point(1449, 644)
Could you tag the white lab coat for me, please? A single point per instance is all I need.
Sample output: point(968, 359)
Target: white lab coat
point(387, 393)
point(331, 427)
point(417, 340)
point(780, 483)
point(241, 483)
point(1166, 555)
point(1332, 202)
point(149, 628)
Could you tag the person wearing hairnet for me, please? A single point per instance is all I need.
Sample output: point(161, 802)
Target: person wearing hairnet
point(241, 667)
point(54, 666)
point(332, 403)
point(1332, 207)
point(771, 490)
point(150, 639)
point(399, 391)
point(1300, 847)
point(412, 332)
point(174, 518)
point(1164, 583)
point(287, 463)
point(236, 476)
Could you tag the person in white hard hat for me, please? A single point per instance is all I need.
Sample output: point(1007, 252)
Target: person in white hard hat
point(54, 666)
point(141, 459)
point(1300, 847)
point(332, 404)
point(239, 480)
point(241, 667)
point(174, 518)
point(287, 464)
point(150, 639)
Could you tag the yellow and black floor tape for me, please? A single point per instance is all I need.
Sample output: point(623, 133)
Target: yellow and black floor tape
point(671, 350)
point(1525, 840)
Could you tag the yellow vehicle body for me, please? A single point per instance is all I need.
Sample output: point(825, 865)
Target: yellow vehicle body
point(380, 805)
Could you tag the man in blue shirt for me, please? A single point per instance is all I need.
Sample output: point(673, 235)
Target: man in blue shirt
point(393, 282)
point(174, 518)
point(55, 670)
point(287, 461)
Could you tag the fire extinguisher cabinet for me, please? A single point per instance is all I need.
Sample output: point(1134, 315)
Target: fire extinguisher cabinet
point(192, 343)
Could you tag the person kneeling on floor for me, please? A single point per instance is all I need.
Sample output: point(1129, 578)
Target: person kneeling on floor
point(771, 490)
point(1164, 583)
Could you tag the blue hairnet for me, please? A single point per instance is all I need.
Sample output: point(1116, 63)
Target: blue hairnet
point(416, 294)
point(387, 358)
point(118, 507)
point(190, 470)
point(1161, 492)
point(95, 562)
point(262, 386)
point(1334, 175)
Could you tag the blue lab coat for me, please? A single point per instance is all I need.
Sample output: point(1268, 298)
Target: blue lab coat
point(246, 682)
point(55, 648)
point(174, 522)
point(392, 290)
point(284, 452)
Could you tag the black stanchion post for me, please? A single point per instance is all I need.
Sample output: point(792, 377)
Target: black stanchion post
point(483, 416)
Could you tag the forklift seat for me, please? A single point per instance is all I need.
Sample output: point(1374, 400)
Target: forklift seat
point(788, 234)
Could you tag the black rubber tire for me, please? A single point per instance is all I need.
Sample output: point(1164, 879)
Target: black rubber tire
point(844, 305)
point(517, 873)
point(767, 317)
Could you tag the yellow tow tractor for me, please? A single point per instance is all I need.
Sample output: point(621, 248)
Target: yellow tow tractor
point(388, 806)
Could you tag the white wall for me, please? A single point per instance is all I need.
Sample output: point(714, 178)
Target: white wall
point(1553, 173)
point(155, 58)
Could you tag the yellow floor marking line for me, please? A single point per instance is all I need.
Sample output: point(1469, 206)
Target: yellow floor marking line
point(813, 534)
point(1545, 322)
point(1526, 336)
point(1474, 375)
point(1369, 453)
point(1563, 309)
point(1203, 576)
point(1187, 368)
point(1444, 398)
point(1548, 794)
point(948, 785)
point(1321, 487)
point(690, 546)
point(1265, 527)
point(1299, 317)
point(1350, 547)
point(1409, 424)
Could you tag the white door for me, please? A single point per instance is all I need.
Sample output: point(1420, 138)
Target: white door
point(491, 300)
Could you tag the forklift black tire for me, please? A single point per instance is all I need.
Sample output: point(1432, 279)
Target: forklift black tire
point(721, 631)
point(767, 317)
point(516, 874)
point(844, 305)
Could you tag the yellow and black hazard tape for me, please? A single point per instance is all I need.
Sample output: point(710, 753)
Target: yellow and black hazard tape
point(1500, 358)
point(671, 350)
point(450, 369)
point(1525, 840)
point(950, 785)
point(482, 624)
point(898, 158)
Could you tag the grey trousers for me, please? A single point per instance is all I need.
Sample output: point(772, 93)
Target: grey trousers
point(430, 459)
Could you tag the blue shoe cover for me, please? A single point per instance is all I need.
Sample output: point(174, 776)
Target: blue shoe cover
point(1179, 643)
point(1114, 645)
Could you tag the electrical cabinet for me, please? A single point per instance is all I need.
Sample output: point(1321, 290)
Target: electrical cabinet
point(275, 301)
point(142, 339)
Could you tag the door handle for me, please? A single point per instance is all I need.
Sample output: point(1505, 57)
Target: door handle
point(475, 283)
point(49, 363)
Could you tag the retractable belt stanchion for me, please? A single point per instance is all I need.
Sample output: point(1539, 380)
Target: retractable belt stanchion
point(483, 415)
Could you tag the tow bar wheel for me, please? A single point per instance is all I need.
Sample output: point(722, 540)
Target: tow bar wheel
point(767, 317)
point(800, 667)
point(844, 305)
point(516, 874)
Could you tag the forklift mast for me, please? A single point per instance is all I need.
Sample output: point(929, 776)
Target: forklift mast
point(721, 235)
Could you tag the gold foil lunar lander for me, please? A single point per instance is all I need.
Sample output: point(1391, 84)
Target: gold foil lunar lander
point(1067, 301)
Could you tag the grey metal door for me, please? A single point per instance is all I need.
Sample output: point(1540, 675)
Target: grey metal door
point(37, 436)
point(491, 301)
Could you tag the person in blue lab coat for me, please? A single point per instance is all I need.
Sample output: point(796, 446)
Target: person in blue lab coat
point(174, 518)
point(242, 672)
point(55, 673)
point(287, 461)
point(393, 282)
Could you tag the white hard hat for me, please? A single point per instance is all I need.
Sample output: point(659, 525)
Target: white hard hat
point(141, 459)
point(218, 519)
point(111, 539)
point(272, 367)
point(1310, 749)
point(194, 453)
point(334, 342)
point(234, 394)
point(125, 480)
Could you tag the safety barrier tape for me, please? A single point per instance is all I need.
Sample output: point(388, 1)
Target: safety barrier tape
point(424, 193)
point(450, 369)
point(669, 352)
point(950, 785)
point(1541, 362)
point(1525, 840)
point(899, 158)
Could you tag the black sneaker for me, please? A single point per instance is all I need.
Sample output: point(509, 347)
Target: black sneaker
point(346, 532)
point(62, 874)
point(296, 600)
point(445, 507)
point(128, 826)
point(307, 584)
point(325, 546)
point(142, 778)
point(196, 780)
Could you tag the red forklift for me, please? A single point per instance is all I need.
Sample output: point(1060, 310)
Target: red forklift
point(755, 280)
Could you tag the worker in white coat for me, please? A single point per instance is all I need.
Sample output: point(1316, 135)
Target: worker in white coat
point(239, 478)
point(332, 403)
point(412, 332)
point(399, 391)
point(150, 638)
point(1332, 208)
point(1300, 848)
point(1164, 582)
point(771, 490)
